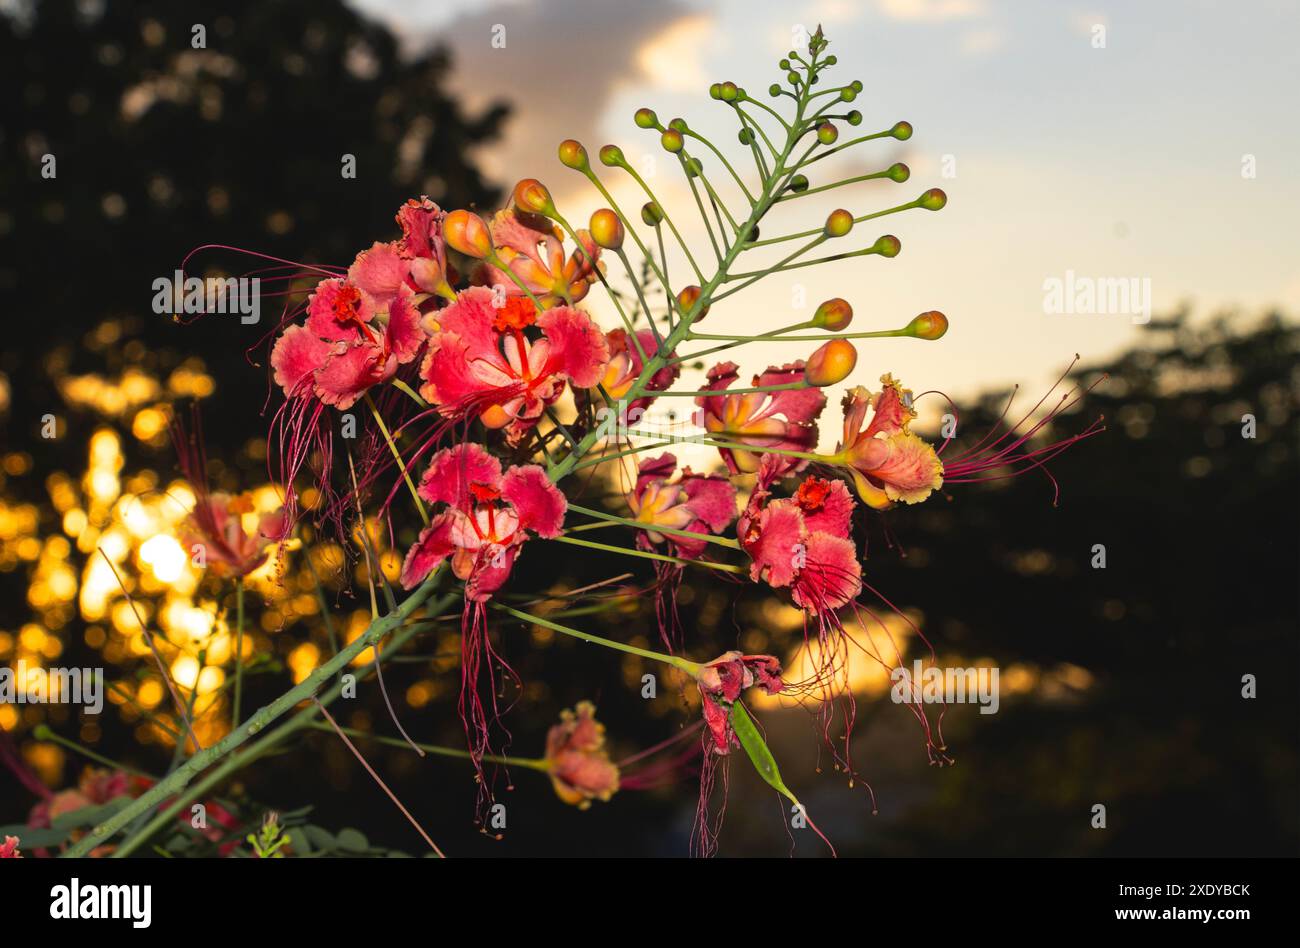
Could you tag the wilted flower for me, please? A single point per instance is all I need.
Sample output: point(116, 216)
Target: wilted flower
point(488, 517)
point(783, 420)
point(721, 683)
point(888, 463)
point(802, 542)
point(577, 760)
point(483, 361)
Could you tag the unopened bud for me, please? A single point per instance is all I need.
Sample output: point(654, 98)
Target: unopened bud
point(902, 131)
point(931, 325)
point(839, 223)
point(687, 299)
point(652, 213)
point(672, 140)
point(887, 246)
point(466, 232)
point(827, 133)
point(646, 118)
point(832, 363)
point(611, 156)
point(607, 229)
point(573, 155)
point(834, 314)
point(531, 196)
point(933, 200)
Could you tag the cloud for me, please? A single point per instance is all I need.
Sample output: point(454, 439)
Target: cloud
point(561, 64)
point(931, 11)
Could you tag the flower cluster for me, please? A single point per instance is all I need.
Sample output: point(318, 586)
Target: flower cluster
point(472, 344)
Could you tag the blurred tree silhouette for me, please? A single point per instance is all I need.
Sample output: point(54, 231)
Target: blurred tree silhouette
point(160, 147)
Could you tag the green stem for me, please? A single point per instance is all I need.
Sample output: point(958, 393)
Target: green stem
point(531, 763)
point(610, 548)
point(239, 653)
point(397, 455)
point(691, 668)
point(182, 775)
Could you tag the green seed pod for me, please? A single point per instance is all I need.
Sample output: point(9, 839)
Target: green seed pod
point(756, 748)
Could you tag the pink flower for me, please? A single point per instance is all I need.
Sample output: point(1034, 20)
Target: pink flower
point(532, 248)
point(721, 683)
point(491, 363)
point(9, 848)
point(577, 759)
point(698, 503)
point(625, 365)
point(347, 346)
point(802, 542)
point(781, 420)
point(488, 517)
point(888, 463)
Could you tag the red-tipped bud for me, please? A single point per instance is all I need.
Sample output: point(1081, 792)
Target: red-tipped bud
point(902, 131)
point(607, 229)
point(827, 133)
point(832, 363)
point(531, 196)
point(839, 223)
point(687, 299)
point(835, 314)
point(931, 325)
point(672, 140)
point(646, 118)
point(652, 213)
point(899, 172)
point(465, 231)
point(573, 155)
point(887, 246)
point(611, 156)
point(729, 91)
point(933, 200)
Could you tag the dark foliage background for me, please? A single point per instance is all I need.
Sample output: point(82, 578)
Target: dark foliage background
point(242, 146)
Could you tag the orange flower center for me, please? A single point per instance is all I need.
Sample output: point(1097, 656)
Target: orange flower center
point(515, 315)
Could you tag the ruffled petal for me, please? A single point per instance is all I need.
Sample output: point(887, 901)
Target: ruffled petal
point(831, 575)
point(379, 271)
point(537, 501)
point(452, 470)
point(350, 371)
point(403, 335)
point(431, 547)
point(579, 351)
point(711, 499)
point(297, 355)
point(777, 548)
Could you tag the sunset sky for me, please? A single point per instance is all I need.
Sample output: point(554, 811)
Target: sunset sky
point(1122, 161)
